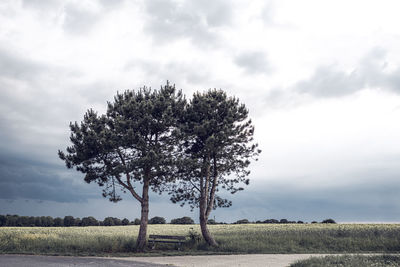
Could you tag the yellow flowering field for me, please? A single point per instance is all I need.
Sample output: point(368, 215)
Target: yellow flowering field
point(239, 238)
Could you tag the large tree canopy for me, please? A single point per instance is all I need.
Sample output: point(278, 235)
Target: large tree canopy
point(217, 146)
point(132, 144)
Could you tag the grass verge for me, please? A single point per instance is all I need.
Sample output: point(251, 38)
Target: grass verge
point(350, 260)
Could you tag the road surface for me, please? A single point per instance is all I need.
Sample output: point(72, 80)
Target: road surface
point(249, 260)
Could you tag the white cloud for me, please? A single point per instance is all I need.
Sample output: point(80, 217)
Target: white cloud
point(323, 91)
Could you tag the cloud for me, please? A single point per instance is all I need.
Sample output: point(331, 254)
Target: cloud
point(41, 4)
point(179, 73)
point(328, 81)
point(14, 66)
point(254, 62)
point(198, 21)
point(81, 18)
point(26, 178)
point(111, 4)
point(369, 200)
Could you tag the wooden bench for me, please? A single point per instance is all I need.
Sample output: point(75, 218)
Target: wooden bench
point(171, 239)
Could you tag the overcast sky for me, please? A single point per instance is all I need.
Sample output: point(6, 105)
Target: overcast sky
point(321, 80)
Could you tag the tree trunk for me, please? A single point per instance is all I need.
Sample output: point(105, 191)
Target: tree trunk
point(203, 225)
point(142, 236)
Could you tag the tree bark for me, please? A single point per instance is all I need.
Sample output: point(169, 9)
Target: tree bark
point(203, 224)
point(142, 236)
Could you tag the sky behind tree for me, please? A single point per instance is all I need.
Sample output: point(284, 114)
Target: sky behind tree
point(321, 80)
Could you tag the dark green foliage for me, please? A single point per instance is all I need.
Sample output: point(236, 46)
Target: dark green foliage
point(47, 221)
point(108, 221)
point(350, 260)
point(328, 221)
point(271, 221)
point(69, 221)
point(58, 222)
point(183, 220)
point(211, 221)
point(136, 221)
point(157, 220)
point(243, 221)
point(12, 220)
point(132, 140)
point(77, 222)
point(38, 221)
point(117, 221)
point(217, 147)
point(89, 221)
point(31, 221)
point(3, 220)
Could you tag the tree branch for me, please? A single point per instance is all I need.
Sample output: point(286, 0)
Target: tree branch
point(194, 186)
point(128, 179)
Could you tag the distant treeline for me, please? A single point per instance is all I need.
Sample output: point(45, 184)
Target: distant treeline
point(48, 221)
point(244, 221)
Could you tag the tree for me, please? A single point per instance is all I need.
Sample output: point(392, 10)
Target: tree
point(58, 222)
point(31, 221)
point(125, 221)
point(77, 222)
point(3, 220)
point(183, 220)
point(109, 221)
point(242, 221)
point(132, 144)
point(157, 220)
point(89, 221)
point(38, 221)
point(217, 145)
point(69, 221)
point(211, 221)
point(271, 221)
point(328, 221)
point(117, 221)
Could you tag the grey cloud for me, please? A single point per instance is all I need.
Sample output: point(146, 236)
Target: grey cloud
point(111, 4)
point(327, 81)
point(33, 101)
point(13, 65)
point(267, 13)
point(373, 202)
point(22, 177)
point(176, 72)
point(253, 62)
point(41, 4)
point(78, 19)
point(195, 20)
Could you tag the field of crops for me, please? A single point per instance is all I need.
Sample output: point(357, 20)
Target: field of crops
point(245, 238)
